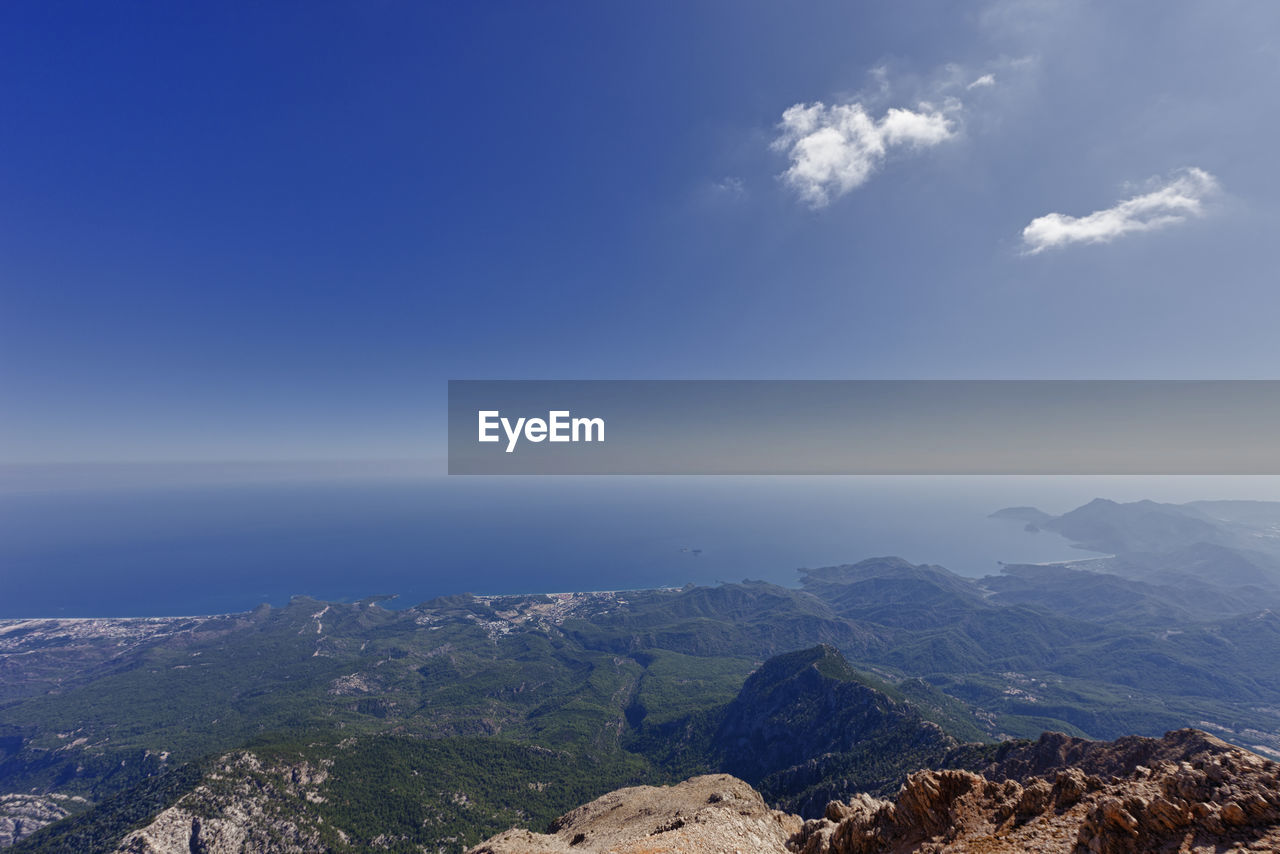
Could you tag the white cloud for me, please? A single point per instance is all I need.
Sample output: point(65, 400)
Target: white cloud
point(730, 187)
point(983, 81)
point(834, 149)
point(1170, 201)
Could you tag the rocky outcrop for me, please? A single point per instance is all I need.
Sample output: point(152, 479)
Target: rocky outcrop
point(22, 815)
point(1185, 792)
point(242, 807)
point(712, 814)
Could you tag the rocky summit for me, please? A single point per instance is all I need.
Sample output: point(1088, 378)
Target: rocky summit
point(710, 814)
point(1187, 791)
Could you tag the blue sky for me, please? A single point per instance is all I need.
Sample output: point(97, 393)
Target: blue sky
point(273, 231)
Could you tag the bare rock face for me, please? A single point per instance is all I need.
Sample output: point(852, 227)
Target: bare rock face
point(241, 809)
point(22, 815)
point(712, 814)
point(1187, 791)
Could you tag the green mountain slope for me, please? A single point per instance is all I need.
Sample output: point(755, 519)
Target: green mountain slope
point(805, 728)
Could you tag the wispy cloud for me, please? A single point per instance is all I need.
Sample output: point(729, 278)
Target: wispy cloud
point(1168, 202)
point(835, 149)
point(982, 82)
point(730, 187)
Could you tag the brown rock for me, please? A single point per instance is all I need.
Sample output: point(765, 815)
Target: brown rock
point(1186, 792)
point(712, 814)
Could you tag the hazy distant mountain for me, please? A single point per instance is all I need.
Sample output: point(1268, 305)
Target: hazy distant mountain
point(1141, 526)
point(1205, 559)
point(1116, 594)
point(1029, 515)
point(1149, 526)
point(1258, 515)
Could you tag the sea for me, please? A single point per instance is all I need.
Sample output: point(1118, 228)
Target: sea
point(164, 547)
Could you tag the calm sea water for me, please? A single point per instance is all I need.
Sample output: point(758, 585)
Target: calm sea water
point(163, 550)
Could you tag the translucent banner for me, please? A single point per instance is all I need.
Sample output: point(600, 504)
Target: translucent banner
point(864, 427)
